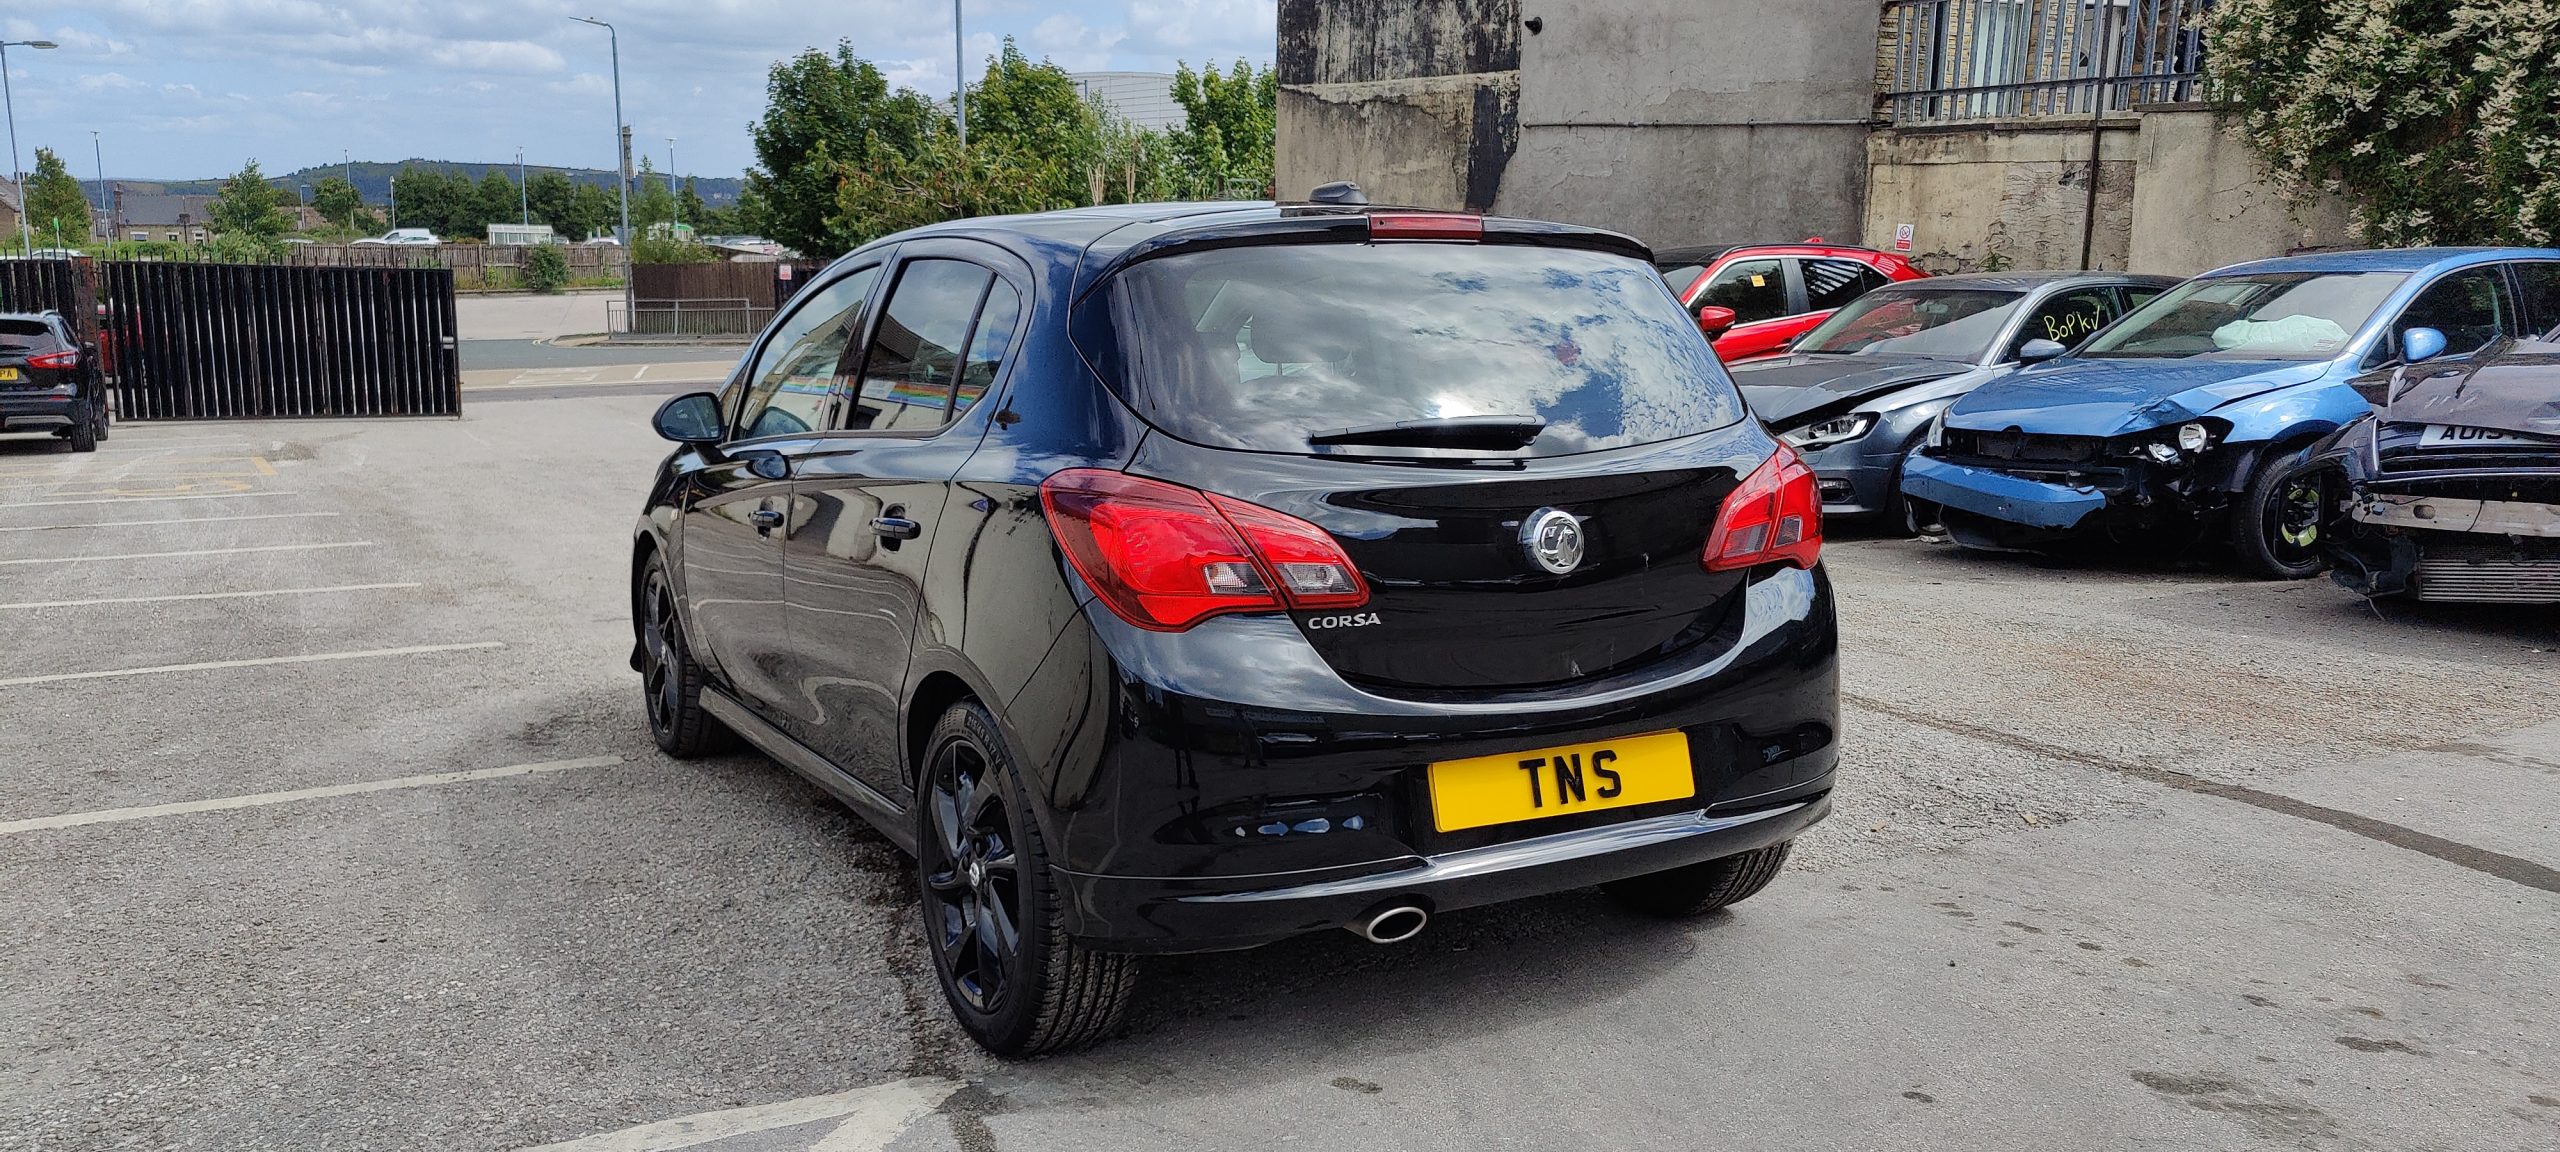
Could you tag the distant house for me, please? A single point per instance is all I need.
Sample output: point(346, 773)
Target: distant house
point(172, 219)
point(518, 235)
point(11, 207)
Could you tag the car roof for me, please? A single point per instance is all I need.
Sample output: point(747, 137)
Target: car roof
point(2027, 281)
point(47, 314)
point(2386, 260)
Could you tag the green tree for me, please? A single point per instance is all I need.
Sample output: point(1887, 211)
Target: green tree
point(823, 112)
point(593, 211)
point(339, 203)
point(652, 204)
point(691, 209)
point(1231, 121)
point(939, 182)
point(2438, 119)
point(56, 206)
point(495, 201)
point(248, 206)
point(545, 269)
point(1034, 116)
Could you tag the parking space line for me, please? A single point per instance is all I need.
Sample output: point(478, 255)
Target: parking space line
point(177, 520)
point(214, 665)
point(207, 596)
point(872, 1117)
point(263, 799)
point(196, 552)
point(144, 499)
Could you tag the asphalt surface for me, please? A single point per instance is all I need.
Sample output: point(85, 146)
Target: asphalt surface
point(2126, 856)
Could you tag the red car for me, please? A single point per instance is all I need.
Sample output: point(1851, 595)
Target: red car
point(1751, 299)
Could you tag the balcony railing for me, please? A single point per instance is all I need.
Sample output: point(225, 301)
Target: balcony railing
point(1959, 60)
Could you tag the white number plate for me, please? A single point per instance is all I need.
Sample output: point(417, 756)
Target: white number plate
point(2461, 436)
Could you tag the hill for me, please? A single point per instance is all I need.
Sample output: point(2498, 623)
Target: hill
point(373, 179)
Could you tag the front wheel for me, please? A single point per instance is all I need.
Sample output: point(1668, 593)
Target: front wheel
point(1910, 516)
point(993, 916)
point(669, 676)
point(2276, 529)
point(1697, 889)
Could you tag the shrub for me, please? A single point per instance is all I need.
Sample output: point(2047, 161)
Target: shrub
point(545, 269)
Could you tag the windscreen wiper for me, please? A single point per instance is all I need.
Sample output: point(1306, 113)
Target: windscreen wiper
point(1489, 432)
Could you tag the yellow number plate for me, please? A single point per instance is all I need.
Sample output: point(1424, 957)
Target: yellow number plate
point(1560, 781)
point(8, 373)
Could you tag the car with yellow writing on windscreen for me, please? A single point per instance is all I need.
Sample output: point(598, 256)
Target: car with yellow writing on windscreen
point(1856, 394)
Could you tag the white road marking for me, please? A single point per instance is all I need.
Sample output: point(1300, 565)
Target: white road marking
point(197, 552)
point(872, 1117)
point(178, 520)
point(206, 596)
point(213, 665)
point(644, 370)
point(262, 799)
point(144, 499)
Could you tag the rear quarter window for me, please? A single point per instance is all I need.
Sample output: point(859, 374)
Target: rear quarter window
point(1258, 348)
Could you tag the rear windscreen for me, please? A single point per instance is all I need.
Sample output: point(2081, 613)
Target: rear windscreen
point(1259, 348)
point(24, 328)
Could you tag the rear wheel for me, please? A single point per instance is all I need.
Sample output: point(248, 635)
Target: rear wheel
point(670, 679)
point(105, 418)
point(2276, 529)
point(992, 913)
point(84, 434)
point(1697, 889)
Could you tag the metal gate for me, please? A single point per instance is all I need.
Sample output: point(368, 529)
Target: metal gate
point(256, 341)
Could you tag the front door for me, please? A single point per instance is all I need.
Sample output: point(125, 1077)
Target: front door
point(866, 501)
point(736, 519)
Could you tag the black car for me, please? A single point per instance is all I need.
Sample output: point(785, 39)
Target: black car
point(1180, 578)
point(2450, 489)
point(48, 383)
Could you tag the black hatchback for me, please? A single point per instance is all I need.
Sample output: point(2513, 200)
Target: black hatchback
point(1177, 578)
point(47, 384)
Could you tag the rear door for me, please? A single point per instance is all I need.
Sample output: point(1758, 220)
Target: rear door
point(868, 497)
point(737, 508)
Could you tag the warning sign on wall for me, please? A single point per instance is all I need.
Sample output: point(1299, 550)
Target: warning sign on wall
point(1901, 237)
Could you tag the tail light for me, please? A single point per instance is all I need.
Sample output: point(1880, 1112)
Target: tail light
point(1460, 226)
point(68, 358)
point(1775, 517)
point(1165, 557)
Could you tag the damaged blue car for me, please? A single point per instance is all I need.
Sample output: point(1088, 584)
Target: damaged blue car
point(2194, 416)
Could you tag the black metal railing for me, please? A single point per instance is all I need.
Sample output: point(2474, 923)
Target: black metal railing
point(1959, 60)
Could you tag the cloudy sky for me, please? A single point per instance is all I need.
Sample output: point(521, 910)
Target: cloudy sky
point(188, 88)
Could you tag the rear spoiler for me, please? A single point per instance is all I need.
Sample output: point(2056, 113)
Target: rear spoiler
point(1321, 224)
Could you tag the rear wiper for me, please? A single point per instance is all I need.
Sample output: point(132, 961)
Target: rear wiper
point(1493, 432)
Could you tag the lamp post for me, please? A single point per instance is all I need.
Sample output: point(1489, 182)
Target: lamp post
point(671, 180)
point(960, 75)
point(524, 193)
point(25, 240)
point(106, 211)
point(621, 160)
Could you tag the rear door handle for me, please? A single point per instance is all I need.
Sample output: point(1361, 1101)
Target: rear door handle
point(897, 527)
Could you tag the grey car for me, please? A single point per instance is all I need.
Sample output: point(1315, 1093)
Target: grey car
point(1856, 394)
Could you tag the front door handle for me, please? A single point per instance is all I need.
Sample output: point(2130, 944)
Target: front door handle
point(897, 527)
point(765, 520)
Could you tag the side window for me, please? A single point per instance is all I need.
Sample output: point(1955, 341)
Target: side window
point(2541, 280)
point(2470, 307)
point(2067, 318)
point(996, 322)
point(802, 365)
point(910, 378)
point(1829, 284)
point(1754, 289)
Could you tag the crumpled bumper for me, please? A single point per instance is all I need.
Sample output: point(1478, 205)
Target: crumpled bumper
point(2000, 496)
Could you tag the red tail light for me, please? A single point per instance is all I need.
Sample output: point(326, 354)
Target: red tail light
point(69, 358)
point(1775, 517)
point(1426, 226)
point(1165, 557)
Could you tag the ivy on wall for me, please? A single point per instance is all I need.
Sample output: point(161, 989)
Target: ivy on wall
point(2438, 119)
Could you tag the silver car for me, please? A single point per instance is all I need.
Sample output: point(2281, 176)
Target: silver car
point(1856, 394)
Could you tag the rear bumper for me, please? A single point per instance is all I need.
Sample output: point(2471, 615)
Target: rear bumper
point(2000, 496)
point(40, 413)
point(1174, 914)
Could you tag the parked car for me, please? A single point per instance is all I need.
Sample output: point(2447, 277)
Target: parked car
point(1176, 578)
point(1750, 299)
point(47, 381)
point(1856, 394)
point(2195, 415)
point(2450, 489)
point(399, 238)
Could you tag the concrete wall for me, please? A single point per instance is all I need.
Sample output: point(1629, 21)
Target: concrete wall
point(2202, 200)
point(1416, 100)
point(2010, 195)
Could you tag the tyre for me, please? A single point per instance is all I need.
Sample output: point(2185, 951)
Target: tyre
point(1697, 889)
point(669, 677)
point(2276, 527)
point(1906, 515)
point(105, 420)
point(84, 435)
point(992, 913)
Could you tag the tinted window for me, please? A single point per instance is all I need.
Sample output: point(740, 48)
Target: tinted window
point(1681, 277)
point(2293, 316)
point(996, 322)
point(1958, 324)
point(2068, 319)
point(2541, 280)
point(1258, 348)
point(802, 365)
point(1829, 284)
point(910, 378)
point(1754, 289)
point(24, 328)
point(2469, 307)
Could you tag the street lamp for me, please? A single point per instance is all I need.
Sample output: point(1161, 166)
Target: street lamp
point(621, 145)
point(671, 180)
point(25, 241)
point(106, 209)
point(960, 75)
point(524, 192)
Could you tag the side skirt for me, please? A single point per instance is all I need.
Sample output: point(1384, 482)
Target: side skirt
point(882, 813)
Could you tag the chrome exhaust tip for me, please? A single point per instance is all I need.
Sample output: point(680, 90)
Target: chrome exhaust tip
point(1392, 926)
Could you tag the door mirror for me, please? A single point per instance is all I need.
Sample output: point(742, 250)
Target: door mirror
point(693, 418)
point(2419, 344)
point(1714, 320)
point(2039, 351)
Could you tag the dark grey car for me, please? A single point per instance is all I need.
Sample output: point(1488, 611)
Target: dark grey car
point(1856, 394)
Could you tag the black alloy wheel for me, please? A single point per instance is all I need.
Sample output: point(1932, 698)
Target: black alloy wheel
point(993, 917)
point(2278, 527)
point(670, 681)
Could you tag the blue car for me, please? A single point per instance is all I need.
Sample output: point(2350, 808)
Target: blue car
point(2194, 415)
